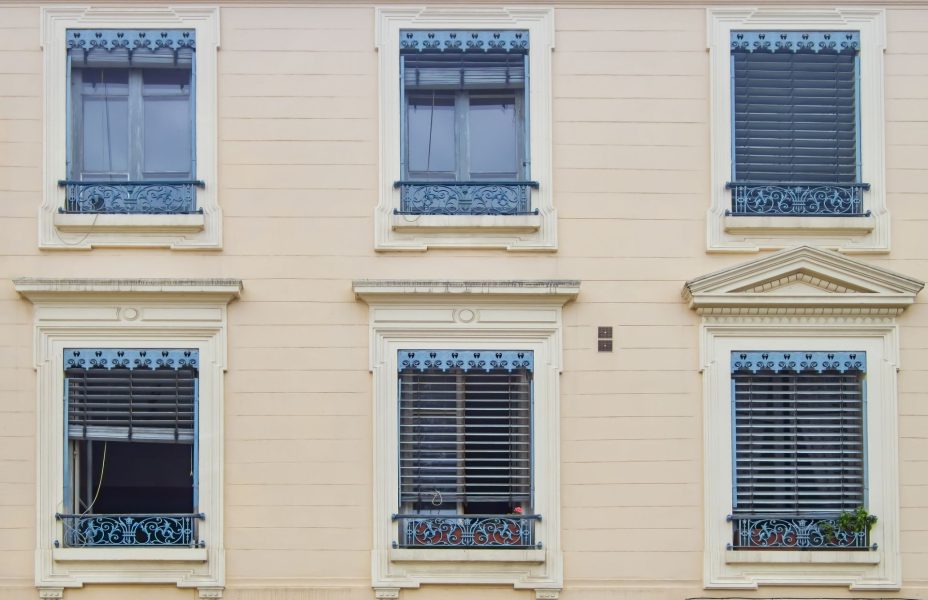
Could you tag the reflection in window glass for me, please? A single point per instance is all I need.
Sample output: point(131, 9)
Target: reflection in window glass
point(493, 145)
point(431, 136)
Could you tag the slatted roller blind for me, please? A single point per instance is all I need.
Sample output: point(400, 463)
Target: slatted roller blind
point(799, 439)
point(120, 400)
point(795, 114)
point(433, 71)
point(465, 432)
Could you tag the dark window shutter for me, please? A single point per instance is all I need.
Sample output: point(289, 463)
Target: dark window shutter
point(465, 434)
point(795, 116)
point(799, 440)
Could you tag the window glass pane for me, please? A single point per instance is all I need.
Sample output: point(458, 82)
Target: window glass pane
point(165, 81)
point(104, 124)
point(493, 137)
point(430, 134)
point(106, 136)
point(167, 136)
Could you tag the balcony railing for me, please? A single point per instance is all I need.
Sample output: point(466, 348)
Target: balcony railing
point(465, 197)
point(85, 531)
point(130, 197)
point(467, 531)
point(778, 532)
point(797, 199)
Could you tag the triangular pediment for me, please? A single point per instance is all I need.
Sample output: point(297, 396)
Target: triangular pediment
point(802, 279)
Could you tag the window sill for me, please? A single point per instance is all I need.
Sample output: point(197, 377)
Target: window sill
point(814, 557)
point(149, 554)
point(501, 555)
point(135, 223)
point(800, 225)
point(466, 223)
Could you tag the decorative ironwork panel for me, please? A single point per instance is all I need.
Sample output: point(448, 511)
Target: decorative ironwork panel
point(460, 41)
point(795, 41)
point(796, 533)
point(798, 361)
point(467, 531)
point(132, 40)
point(131, 197)
point(801, 199)
point(89, 358)
point(466, 360)
point(465, 198)
point(84, 531)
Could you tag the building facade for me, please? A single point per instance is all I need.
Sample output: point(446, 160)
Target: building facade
point(581, 300)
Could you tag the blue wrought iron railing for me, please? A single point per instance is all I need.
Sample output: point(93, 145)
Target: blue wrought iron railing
point(467, 531)
point(779, 532)
point(797, 199)
point(465, 197)
point(85, 531)
point(130, 197)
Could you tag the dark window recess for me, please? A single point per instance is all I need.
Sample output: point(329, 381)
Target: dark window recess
point(131, 440)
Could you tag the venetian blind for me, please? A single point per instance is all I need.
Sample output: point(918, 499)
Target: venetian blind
point(463, 70)
point(799, 436)
point(135, 395)
point(795, 114)
point(465, 430)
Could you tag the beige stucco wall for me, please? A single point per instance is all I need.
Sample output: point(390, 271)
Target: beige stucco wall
point(298, 178)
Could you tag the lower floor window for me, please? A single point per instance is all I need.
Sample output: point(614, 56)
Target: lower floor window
point(465, 448)
point(798, 446)
point(131, 464)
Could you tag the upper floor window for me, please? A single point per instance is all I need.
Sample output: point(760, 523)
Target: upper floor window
point(796, 123)
point(798, 443)
point(131, 122)
point(465, 448)
point(131, 439)
point(465, 147)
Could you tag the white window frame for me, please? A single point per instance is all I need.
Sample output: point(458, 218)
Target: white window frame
point(128, 314)
point(407, 315)
point(860, 570)
point(802, 299)
point(83, 231)
point(420, 232)
point(752, 234)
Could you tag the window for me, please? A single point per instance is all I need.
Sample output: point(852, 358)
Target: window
point(130, 476)
point(798, 355)
point(464, 122)
point(465, 448)
point(130, 127)
point(131, 121)
point(466, 444)
point(795, 123)
point(465, 116)
point(798, 436)
point(797, 135)
point(129, 397)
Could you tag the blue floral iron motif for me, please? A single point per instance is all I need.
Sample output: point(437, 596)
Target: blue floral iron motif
point(84, 531)
point(465, 360)
point(130, 197)
point(813, 199)
point(795, 41)
point(467, 531)
point(434, 40)
point(754, 532)
point(797, 361)
point(107, 358)
point(465, 198)
point(131, 40)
